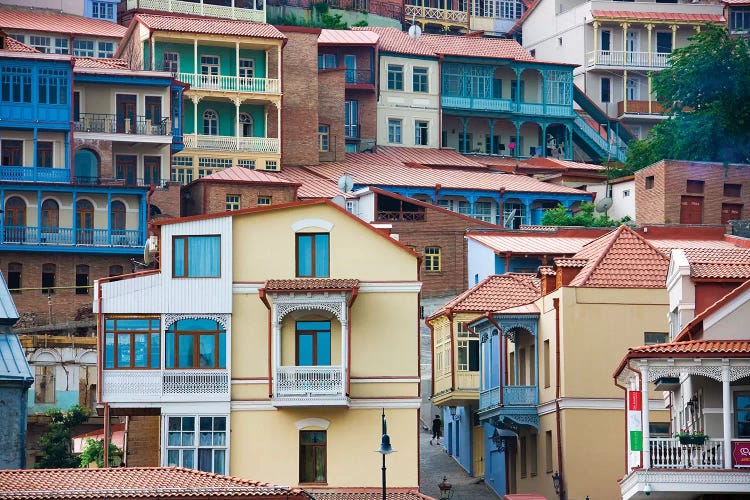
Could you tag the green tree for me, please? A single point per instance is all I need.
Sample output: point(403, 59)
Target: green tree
point(56, 443)
point(93, 451)
point(559, 216)
point(706, 91)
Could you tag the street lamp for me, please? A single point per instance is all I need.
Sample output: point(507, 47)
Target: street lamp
point(385, 449)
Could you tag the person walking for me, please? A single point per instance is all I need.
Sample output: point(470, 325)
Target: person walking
point(436, 425)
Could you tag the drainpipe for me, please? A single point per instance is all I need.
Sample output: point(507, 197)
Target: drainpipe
point(432, 347)
point(349, 341)
point(262, 296)
point(439, 100)
point(560, 468)
point(71, 137)
point(106, 435)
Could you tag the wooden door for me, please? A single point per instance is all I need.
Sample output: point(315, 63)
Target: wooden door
point(477, 450)
point(15, 220)
point(125, 106)
point(691, 210)
point(730, 211)
point(85, 222)
point(126, 168)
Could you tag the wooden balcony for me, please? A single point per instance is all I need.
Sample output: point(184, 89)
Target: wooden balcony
point(639, 108)
point(441, 16)
point(310, 386)
point(269, 86)
point(34, 174)
point(231, 143)
point(162, 386)
point(668, 453)
point(69, 237)
point(507, 106)
point(103, 123)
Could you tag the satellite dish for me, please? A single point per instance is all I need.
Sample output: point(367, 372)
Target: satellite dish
point(415, 31)
point(150, 249)
point(603, 205)
point(339, 200)
point(346, 183)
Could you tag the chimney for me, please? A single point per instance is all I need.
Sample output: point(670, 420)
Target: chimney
point(567, 269)
point(547, 276)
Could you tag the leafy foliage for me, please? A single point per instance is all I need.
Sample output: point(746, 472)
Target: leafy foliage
point(559, 216)
point(706, 90)
point(56, 443)
point(93, 451)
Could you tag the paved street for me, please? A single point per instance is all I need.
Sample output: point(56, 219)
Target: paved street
point(434, 463)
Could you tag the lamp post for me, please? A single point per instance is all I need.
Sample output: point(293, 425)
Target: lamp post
point(385, 449)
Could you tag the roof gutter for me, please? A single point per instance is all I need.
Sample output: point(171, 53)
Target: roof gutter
point(264, 298)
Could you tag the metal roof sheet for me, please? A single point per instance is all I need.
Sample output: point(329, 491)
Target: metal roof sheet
point(399, 42)
point(347, 37)
point(13, 364)
point(541, 244)
point(474, 46)
point(8, 311)
point(29, 20)
point(242, 174)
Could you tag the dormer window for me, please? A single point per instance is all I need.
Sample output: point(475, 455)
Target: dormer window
point(313, 255)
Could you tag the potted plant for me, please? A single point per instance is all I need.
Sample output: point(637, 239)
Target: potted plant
point(691, 437)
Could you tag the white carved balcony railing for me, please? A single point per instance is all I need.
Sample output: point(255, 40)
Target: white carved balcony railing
point(201, 9)
point(668, 453)
point(231, 83)
point(154, 386)
point(458, 16)
point(230, 143)
point(309, 382)
point(625, 58)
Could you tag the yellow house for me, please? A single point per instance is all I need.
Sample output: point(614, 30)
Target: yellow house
point(269, 342)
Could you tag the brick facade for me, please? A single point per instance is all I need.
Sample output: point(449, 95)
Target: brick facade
point(331, 111)
point(367, 103)
point(206, 197)
point(102, 149)
point(143, 441)
point(167, 199)
point(660, 187)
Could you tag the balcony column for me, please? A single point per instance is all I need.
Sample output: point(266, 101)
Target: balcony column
point(674, 35)
point(196, 99)
point(518, 89)
point(344, 347)
point(569, 143)
point(237, 59)
point(278, 64)
point(518, 138)
point(152, 56)
point(35, 153)
point(644, 415)
point(237, 101)
point(624, 27)
point(464, 123)
point(75, 216)
point(726, 416)
point(109, 218)
point(648, 79)
point(649, 28)
point(544, 139)
point(275, 347)
point(277, 105)
point(624, 91)
point(196, 68)
point(39, 215)
point(492, 136)
point(544, 93)
point(67, 151)
point(595, 24)
point(527, 207)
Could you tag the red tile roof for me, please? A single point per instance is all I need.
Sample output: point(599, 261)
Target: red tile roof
point(209, 26)
point(669, 16)
point(544, 243)
point(621, 259)
point(366, 494)
point(729, 253)
point(562, 262)
point(245, 175)
point(100, 63)
point(720, 270)
point(310, 284)
point(13, 45)
point(398, 42)
point(472, 46)
point(495, 293)
point(28, 20)
point(347, 37)
point(131, 482)
point(689, 348)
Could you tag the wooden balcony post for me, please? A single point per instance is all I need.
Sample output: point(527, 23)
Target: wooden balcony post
point(649, 28)
point(595, 24)
point(726, 417)
point(644, 415)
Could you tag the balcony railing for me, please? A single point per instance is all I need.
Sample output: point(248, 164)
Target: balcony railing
point(625, 58)
point(229, 143)
point(489, 398)
point(507, 105)
point(111, 181)
point(616, 149)
point(396, 215)
point(34, 174)
point(109, 124)
point(309, 382)
point(164, 386)
point(244, 10)
point(520, 395)
point(668, 453)
point(639, 108)
point(359, 77)
point(66, 236)
point(430, 13)
point(231, 83)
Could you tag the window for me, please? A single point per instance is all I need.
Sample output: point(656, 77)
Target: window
point(182, 175)
point(152, 170)
point(247, 68)
point(483, 211)
point(53, 86)
point(626, 193)
point(313, 255)
point(82, 279)
point(40, 43)
point(655, 338)
point(733, 190)
point(171, 62)
point(534, 452)
point(210, 71)
point(208, 441)
point(327, 61)
point(48, 278)
point(606, 90)
point(548, 450)
point(420, 133)
point(232, 202)
point(312, 456)
point(14, 277)
point(739, 19)
point(351, 119)
point(16, 85)
point(117, 214)
point(83, 48)
point(522, 453)
point(103, 10)
point(420, 82)
point(195, 343)
point(44, 154)
point(514, 90)
point(606, 38)
point(131, 342)
point(650, 182)
point(271, 165)
point(61, 46)
point(547, 364)
point(246, 125)
point(313, 343)
point(323, 138)
point(432, 259)
point(395, 77)
point(115, 270)
point(694, 186)
point(742, 414)
point(394, 131)
point(210, 122)
point(468, 348)
point(663, 42)
point(246, 164)
point(264, 200)
point(50, 216)
point(106, 49)
point(196, 256)
point(44, 380)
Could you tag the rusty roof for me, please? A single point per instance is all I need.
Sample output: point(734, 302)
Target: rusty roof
point(208, 26)
point(36, 21)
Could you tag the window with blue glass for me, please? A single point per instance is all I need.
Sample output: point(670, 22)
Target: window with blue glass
point(15, 84)
point(313, 255)
point(131, 343)
point(195, 343)
point(53, 86)
point(313, 343)
point(196, 256)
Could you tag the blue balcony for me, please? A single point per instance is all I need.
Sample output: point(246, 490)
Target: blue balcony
point(519, 406)
point(34, 174)
point(69, 239)
point(507, 106)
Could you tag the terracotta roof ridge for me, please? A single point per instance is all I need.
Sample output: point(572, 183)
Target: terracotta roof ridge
point(529, 283)
point(460, 297)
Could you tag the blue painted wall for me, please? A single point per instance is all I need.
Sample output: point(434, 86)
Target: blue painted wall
point(12, 425)
point(457, 436)
point(21, 103)
point(63, 400)
point(494, 464)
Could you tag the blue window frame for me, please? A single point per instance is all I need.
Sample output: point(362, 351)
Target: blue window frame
point(313, 255)
point(313, 343)
point(131, 343)
point(196, 256)
point(195, 343)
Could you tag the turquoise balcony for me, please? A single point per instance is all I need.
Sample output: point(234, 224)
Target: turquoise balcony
point(518, 406)
point(58, 238)
point(507, 106)
point(34, 174)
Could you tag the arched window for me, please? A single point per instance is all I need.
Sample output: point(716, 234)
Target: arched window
point(50, 216)
point(118, 217)
point(85, 222)
point(210, 122)
point(86, 166)
point(246, 125)
point(15, 219)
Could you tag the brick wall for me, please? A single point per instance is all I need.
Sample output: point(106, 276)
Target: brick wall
point(215, 196)
point(143, 441)
point(661, 203)
point(299, 110)
point(331, 111)
point(64, 304)
point(103, 150)
point(367, 103)
point(167, 199)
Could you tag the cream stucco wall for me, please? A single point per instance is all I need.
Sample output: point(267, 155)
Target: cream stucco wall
point(96, 98)
point(56, 138)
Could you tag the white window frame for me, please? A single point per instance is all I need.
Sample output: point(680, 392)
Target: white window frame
point(246, 68)
point(171, 62)
point(195, 447)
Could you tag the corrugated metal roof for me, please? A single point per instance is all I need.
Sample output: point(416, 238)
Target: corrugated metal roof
point(670, 16)
point(13, 364)
point(210, 26)
point(347, 37)
point(8, 311)
point(398, 42)
point(36, 21)
point(242, 174)
point(550, 243)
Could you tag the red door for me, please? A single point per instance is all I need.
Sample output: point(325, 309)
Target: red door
point(691, 210)
point(730, 211)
